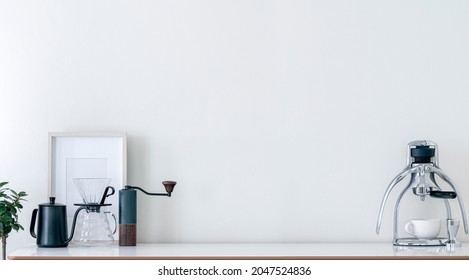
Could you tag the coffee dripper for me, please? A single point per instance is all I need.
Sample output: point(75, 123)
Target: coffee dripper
point(92, 225)
point(422, 166)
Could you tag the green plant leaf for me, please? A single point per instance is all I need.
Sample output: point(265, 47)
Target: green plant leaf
point(6, 229)
point(6, 218)
point(10, 206)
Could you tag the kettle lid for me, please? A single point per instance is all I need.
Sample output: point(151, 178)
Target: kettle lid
point(52, 203)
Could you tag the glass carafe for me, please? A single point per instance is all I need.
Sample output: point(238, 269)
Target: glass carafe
point(92, 225)
point(93, 228)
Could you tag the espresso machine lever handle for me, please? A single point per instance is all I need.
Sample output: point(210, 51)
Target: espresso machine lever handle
point(443, 194)
point(445, 178)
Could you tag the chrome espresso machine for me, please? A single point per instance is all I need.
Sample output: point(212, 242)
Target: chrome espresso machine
point(422, 166)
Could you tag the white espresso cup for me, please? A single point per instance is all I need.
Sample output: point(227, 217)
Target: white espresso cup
point(423, 228)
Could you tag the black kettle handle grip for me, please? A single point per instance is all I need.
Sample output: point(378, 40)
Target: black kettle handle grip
point(443, 194)
point(33, 223)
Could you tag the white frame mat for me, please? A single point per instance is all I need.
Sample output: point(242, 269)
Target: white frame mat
point(86, 155)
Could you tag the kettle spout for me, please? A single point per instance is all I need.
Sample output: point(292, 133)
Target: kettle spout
point(72, 232)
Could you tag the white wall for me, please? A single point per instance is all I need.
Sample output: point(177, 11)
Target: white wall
point(282, 121)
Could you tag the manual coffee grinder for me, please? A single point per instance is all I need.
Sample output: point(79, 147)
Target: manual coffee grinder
point(422, 166)
point(128, 211)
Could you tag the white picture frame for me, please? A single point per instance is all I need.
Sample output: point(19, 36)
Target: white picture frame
point(86, 155)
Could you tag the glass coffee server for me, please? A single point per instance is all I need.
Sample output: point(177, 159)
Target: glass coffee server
point(92, 225)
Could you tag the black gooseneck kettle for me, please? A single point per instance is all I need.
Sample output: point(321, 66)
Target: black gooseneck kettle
point(52, 224)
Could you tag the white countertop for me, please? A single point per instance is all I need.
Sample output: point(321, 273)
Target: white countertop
point(171, 251)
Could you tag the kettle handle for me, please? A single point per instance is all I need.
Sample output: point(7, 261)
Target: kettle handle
point(33, 223)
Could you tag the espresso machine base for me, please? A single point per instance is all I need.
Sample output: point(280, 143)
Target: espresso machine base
point(420, 242)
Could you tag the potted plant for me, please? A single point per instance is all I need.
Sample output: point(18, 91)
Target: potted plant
point(10, 206)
